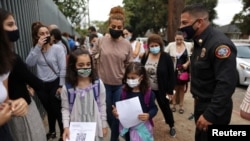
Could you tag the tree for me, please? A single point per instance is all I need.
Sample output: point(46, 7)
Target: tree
point(210, 4)
point(74, 10)
point(242, 19)
point(174, 11)
point(146, 14)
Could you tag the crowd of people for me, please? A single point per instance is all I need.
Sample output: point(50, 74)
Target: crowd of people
point(81, 80)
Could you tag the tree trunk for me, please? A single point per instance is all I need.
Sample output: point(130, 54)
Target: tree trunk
point(174, 12)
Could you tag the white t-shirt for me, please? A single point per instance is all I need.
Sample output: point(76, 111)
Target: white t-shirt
point(142, 50)
point(3, 91)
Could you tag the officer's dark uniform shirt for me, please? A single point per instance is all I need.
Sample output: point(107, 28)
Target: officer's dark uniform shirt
point(213, 71)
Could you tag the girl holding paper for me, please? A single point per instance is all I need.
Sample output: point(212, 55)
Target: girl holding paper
point(83, 100)
point(136, 84)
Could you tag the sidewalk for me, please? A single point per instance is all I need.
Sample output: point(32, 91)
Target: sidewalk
point(185, 127)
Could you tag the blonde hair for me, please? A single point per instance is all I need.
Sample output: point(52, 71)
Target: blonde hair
point(117, 13)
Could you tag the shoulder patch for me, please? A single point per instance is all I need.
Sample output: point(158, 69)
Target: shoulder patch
point(222, 52)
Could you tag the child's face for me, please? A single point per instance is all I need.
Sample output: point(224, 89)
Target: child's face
point(83, 61)
point(133, 75)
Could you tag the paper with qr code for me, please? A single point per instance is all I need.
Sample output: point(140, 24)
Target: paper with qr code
point(82, 131)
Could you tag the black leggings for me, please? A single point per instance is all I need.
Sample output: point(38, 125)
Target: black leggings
point(52, 105)
point(164, 105)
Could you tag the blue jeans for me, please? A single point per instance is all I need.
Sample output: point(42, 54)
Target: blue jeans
point(113, 94)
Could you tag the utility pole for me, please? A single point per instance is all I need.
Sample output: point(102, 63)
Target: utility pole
point(174, 12)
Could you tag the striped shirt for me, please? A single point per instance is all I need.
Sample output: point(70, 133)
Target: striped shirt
point(245, 105)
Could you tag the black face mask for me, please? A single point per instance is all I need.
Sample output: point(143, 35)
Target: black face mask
point(115, 33)
point(13, 35)
point(47, 40)
point(189, 31)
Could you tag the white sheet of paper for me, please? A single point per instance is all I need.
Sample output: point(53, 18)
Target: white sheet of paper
point(82, 131)
point(128, 111)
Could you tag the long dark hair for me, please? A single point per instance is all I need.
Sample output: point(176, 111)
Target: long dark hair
point(71, 72)
point(140, 70)
point(6, 51)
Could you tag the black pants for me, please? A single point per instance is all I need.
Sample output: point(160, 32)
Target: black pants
point(5, 133)
point(164, 105)
point(199, 108)
point(52, 105)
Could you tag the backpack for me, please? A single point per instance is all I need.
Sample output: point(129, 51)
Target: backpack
point(143, 131)
point(72, 94)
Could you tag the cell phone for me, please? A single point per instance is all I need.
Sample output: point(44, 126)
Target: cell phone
point(47, 40)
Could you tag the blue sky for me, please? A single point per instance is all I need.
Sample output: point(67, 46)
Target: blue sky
point(99, 9)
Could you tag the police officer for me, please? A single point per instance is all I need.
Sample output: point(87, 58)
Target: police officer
point(213, 70)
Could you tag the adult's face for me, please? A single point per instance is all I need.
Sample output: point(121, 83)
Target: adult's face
point(179, 39)
point(189, 25)
point(126, 33)
point(9, 24)
point(115, 28)
point(116, 24)
point(43, 32)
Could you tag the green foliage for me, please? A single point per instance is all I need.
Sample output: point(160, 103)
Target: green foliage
point(242, 19)
point(74, 10)
point(146, 14)
point(210, 4)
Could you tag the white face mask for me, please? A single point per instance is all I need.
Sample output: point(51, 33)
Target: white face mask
point(133, 82)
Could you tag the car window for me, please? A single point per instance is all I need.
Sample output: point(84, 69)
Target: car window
point(243, 51)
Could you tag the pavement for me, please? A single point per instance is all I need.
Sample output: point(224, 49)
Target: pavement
point(184, 123)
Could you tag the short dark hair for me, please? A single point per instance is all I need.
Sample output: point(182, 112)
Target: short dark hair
point(196, 10)
point(92, 28)
point(131, 30)
point(56, 33)
point(92, 36)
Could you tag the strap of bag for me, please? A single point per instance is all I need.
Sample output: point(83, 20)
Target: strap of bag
point(71, 95)
point(96, 90)
point(49, 64)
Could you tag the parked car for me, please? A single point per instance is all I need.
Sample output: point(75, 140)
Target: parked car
point(243, 63)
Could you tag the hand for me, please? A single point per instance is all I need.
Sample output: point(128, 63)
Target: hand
point(41, 41)
point(143, 117)
point(58, 91)
point(19, 107)
point(5, 112)
point(185, 66)
point(114, 111)
point(202, 123)
point(66, 134)
point(105, 131)
point(30, 90)
point(169, 96)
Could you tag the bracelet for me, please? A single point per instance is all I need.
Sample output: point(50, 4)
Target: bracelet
point(60, 86)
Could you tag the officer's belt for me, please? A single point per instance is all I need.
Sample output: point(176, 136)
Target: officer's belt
point(198, 99)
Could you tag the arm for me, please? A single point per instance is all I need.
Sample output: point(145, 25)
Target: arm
point(33, 56)
point(26, 75)
point(224, 71)
point(137, 49)
point(102, 107)
point(65, 107)
point(61, 63)
point(153, 109)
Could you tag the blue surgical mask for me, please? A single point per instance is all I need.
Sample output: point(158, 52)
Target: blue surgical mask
point(155, 50)
point(84, 72)
point(128, 38)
